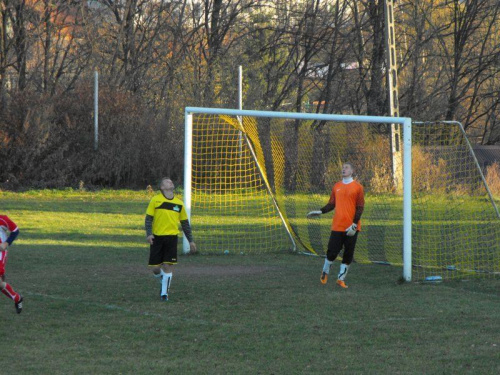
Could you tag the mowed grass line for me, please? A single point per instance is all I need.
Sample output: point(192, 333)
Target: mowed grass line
point(93, 309)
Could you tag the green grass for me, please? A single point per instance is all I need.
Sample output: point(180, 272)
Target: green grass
point(92, 307)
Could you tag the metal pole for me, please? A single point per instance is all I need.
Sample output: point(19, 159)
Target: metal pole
point(252, 151)
point(96, 110)
point(392, 87)
point(188, 158)
point(240, 106)
point(240, 87)
point(407, 215)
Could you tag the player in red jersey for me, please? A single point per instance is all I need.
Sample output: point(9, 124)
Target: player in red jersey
point(7, 225)
point(348, 201)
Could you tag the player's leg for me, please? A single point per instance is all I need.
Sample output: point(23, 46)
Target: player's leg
point(156, 258)
point(8, 291)
point(334, 247)
point(169, 259)
point(5, 288)
point(166, 281)
point(3, 262)
point(349, 245)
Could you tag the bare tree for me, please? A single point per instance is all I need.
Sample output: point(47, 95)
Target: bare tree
point(18, 16)
point(4, 48)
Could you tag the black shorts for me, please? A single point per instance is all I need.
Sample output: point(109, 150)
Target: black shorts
point(339, 240)
point(163, 250)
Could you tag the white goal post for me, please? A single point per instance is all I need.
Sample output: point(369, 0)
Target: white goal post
point(406, 123)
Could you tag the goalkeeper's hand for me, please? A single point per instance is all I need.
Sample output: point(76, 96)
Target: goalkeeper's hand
point(313, 214)
point(351, 231)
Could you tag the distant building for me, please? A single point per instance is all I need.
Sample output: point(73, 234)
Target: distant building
point(487, 155)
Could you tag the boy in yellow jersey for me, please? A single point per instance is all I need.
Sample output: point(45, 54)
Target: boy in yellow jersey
point(162, 227)
point(348, 200)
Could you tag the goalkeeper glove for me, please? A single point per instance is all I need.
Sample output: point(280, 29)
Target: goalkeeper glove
point(351, 231)
point(313, 214)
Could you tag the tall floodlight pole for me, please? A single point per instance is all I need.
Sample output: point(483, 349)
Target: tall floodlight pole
point(96, 110)
point(392, 87)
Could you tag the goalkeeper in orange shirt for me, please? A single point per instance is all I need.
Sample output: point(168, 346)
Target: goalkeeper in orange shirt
point(348, 200)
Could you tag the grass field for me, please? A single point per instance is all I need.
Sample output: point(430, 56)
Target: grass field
point(92, 307)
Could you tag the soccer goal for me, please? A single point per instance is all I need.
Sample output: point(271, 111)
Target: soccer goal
point(250, 178)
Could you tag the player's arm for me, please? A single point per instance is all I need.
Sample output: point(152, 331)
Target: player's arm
point(148, 222)
point(357, 215)
point(186, 228)
point(14, 232)
point(12, 236)
point(360, 206)
point(330, 206)
point(148, 225)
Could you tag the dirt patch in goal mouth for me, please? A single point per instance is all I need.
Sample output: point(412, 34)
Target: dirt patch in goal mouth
point(222, 270)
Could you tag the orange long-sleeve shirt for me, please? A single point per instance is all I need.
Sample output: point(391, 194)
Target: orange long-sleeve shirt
point(345, 198)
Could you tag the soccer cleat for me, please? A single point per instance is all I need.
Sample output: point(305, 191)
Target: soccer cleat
point(342, 284)
point(19, 305)
point(164, 298)
point(324, 278)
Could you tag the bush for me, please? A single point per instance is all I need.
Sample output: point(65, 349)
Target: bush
point(493, 178)
point(48, 142)
point(429, 174)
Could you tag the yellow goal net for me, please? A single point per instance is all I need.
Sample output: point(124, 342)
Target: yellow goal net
point(253, 179)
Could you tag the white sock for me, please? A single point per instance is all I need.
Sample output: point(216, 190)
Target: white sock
point(165, 282)
point(326, 266)
point(343, 271)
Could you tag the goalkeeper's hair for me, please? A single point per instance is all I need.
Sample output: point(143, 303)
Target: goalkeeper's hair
point(163, 179)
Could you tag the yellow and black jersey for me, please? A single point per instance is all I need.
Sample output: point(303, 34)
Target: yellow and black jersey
point(166, 213)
